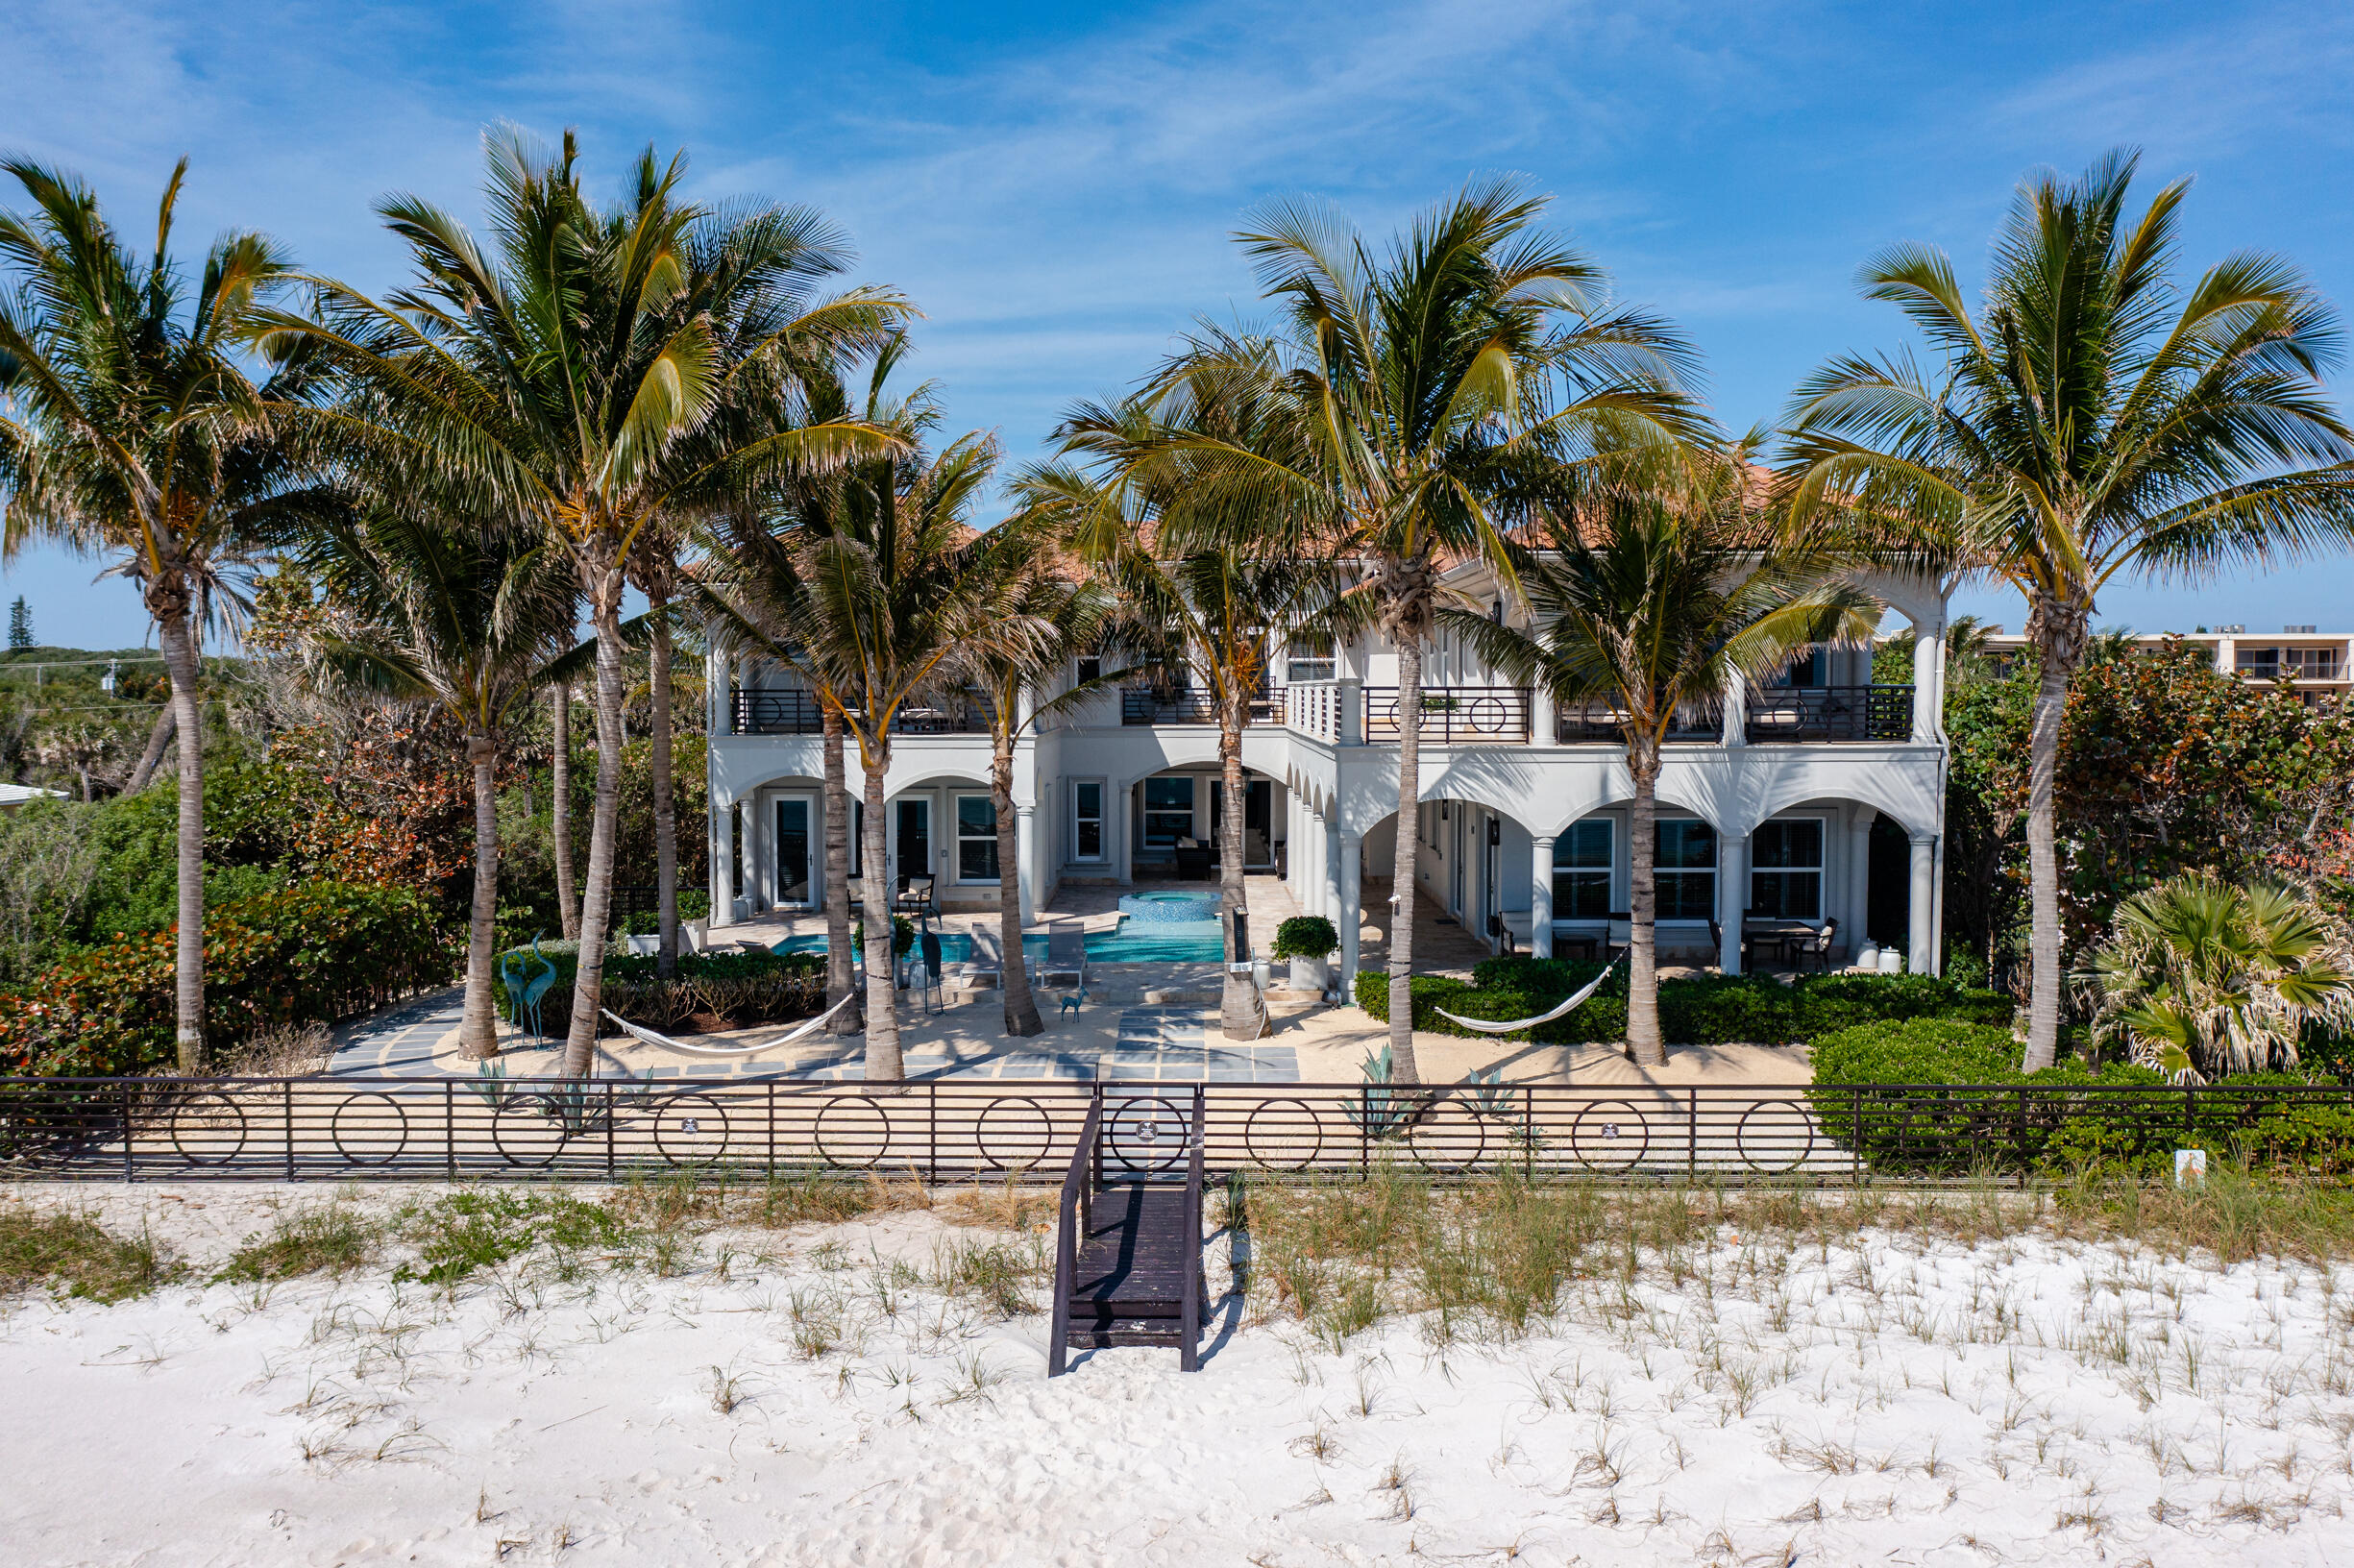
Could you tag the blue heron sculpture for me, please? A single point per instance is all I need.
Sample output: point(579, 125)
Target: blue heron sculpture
point(526, 989)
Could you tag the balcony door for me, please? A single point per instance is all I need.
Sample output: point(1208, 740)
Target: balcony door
point(796, 870)
point(912, 823)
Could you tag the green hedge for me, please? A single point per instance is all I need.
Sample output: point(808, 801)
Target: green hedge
point(2053, 1131)
point(308, 954)
point(1708, 1010)
point(737, 989)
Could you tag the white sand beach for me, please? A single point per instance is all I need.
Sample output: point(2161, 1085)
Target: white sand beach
point(799, 1398)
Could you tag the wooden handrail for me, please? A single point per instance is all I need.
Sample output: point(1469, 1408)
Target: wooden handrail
point(1189, 1313)
point(1073, 1210)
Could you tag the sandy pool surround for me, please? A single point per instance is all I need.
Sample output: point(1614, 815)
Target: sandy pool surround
point(1169, 907)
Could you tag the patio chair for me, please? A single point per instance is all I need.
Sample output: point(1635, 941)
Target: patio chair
point(1816, 949)
point(1066, 960)
point(988, 960)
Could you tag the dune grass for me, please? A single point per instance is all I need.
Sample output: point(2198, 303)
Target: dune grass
point(70, 1254)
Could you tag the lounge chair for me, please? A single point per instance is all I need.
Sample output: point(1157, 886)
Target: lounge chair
point(988, 960)
point(1066, 960)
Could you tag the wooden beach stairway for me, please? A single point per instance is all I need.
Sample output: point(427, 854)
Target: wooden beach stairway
point(1128, 1249)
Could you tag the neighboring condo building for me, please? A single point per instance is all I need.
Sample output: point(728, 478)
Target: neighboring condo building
point(2314, 663)
point(1818, 799)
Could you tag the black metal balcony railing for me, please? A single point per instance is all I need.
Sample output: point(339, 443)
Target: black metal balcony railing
point(1454, 714)
point(798, 713)
point(1581, 723)
point(1832, 713)
point(1156, 705)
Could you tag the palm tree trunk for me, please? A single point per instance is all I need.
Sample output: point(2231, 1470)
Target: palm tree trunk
point(188, 963)
point(666, 810)
point(1644, 1043)
point(2058, 633)
point(841, 975)
point(559, 806)
point(478, 1029)
point(157, 738)
point(597, 899)
point(883, 1064)
point(1020, 1007)
point(1405, 1069)
point(1241, 1011)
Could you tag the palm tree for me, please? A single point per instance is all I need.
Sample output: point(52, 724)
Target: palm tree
point(2200, 973)
point(896, 602)
point(1069, 617)
point(1660, 600)
point(132, 428)
point(2092, 421)
point(654, 572)
point(598, 374)
point(1415, 384)
point(1223, 612)
point(444, 610)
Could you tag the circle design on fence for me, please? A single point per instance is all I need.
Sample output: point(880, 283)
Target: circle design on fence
point(1447, 1145)
point(1147, 1120)
point(1611, 1135)
point(367, 1137)
point(528, 1130)
point(205, 1110)
point(849, 1134)
point(1489, 716)
point(1771, 1136)
point(691, 1129)
point(1041, 1135)
point(1282, 1126)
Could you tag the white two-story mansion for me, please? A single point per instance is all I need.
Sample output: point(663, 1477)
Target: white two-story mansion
point(1818, 799)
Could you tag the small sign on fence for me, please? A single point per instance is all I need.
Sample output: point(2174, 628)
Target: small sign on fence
point(2190, 1167)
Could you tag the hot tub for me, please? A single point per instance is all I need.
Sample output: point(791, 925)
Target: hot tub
point(1165, 908)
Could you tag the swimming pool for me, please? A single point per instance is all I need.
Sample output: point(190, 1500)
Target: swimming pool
point(1156, 941)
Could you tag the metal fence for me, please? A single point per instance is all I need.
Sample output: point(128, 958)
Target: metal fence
point(605, 1129)
point(1830, 713)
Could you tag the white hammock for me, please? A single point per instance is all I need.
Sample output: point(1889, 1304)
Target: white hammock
point(799, 1031)
point(1488, 1027)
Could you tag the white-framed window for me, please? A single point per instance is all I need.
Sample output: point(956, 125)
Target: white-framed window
point(1581, 864)
point(1087, 840)
point(1686, 869)
point(1169, 812)
point(1786, 870)
point(1309, 658)
point(976, 838)
point(1087, 669)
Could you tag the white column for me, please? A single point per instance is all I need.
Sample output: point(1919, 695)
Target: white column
point(1928, 682)
point(1544, 727)
point(1923, 958)
point(1350, 913)
point(1734, 730)
point(1540, 898)
point(1291, 844)
point(1123, 797)
point(1333, 908)
point(1026, 861)
point(1732, 898)
point(1857, 922)
point(720, 819)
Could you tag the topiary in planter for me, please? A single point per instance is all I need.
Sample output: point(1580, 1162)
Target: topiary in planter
point(1306, 936)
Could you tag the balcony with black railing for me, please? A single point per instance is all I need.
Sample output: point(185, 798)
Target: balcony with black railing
point(1582, 723)
point(798, 713)
point(1830, 713)
point(1453, 715)
point(1172, 705)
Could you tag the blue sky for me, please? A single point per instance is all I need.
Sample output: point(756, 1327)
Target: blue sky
point(1054, 184)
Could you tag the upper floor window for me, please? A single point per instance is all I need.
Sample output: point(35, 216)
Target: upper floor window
point(1310, 658)
point(1089, 670)
point(1808, 670)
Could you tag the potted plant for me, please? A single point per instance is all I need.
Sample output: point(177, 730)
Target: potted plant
point(1308, 941)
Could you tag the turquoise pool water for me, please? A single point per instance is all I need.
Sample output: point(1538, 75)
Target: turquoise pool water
point(1164, 942)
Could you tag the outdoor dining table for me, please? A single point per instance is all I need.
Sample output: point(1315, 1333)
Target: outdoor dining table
point(1776, 934)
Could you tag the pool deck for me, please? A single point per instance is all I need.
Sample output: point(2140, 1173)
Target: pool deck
point(1118, 1034)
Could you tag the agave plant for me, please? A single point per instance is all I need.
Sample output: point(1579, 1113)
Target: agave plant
point(2201, 975)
